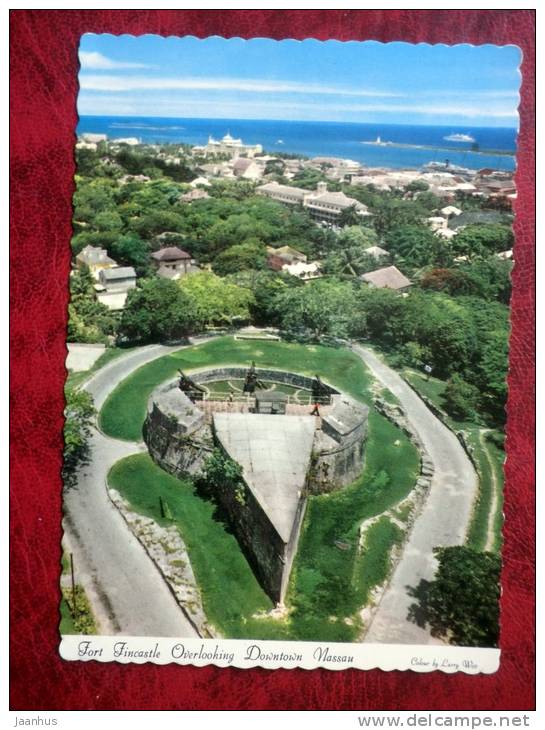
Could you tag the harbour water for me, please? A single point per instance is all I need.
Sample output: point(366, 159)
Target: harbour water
point(402, 146)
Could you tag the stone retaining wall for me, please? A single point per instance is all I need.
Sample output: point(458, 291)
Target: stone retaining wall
point(175, 431)
point(416, 499)
point(275, 376)
point(166, 548)
point(180, 438)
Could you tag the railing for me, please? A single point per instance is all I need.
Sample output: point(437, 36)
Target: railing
point(305, 399)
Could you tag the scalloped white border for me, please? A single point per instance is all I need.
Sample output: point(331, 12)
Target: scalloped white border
point(248, 653)
point(245, 654)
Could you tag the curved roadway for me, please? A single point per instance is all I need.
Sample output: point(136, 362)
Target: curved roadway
point(134, 598)
point(444, 518)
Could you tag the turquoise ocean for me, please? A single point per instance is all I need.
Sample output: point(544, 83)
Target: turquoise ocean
point(409, 146)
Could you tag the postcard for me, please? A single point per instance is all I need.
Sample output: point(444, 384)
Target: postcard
point(288, 349)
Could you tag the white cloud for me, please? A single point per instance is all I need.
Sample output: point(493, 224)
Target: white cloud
point(95, 60)
point(471, 105)
point(148, 83)
point(230, 107)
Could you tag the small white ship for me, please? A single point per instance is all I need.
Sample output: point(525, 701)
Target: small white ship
point(459, 138)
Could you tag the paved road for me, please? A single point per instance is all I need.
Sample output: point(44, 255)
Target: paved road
point(134, 599)
point(133, 592)
point(443, 521)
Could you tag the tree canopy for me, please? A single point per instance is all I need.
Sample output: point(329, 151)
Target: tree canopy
point(216, 300)
point(158, 310)
point(461, 604)
point(321, 307)
point(79, 412)
point(89, 321)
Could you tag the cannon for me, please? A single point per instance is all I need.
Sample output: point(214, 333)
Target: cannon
point(193, 390)
point(251, 381)
point(320, 392)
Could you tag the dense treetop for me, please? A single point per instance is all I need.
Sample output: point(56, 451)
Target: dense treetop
point(454, 317)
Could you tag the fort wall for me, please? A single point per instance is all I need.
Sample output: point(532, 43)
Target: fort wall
point(180, 437)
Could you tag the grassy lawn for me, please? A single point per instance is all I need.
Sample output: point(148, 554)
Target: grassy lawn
point(226, 386)
point(124, 411)
point(110, 353)
point(328, 585)
point(81, 622)
point(76, 619)
point(230, 591)
point(489, 460)
point(67, 625)
point(374, 563)
point(326, 580)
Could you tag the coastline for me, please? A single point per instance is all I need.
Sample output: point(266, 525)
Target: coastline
point(409, 147)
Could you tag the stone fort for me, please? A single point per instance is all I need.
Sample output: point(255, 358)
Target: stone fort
point(287, 449)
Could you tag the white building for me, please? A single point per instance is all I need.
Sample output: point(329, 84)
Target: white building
point(82, 145)
point(200, 181)
point(114, 286)
point(130, 141)
point(228, 145)
point(450, 210)
point(94, 138)
point(436, 222)
point(323, 206)
point(95, 259)
point(447, 233)
point(303, 271)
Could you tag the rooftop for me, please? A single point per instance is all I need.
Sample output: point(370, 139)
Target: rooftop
point(389, 277)
point(274, 453)
point(118, 272)
point(471, 217)
point(93, 255)
point(338, 199)
point(170, 253)
point(274, 187)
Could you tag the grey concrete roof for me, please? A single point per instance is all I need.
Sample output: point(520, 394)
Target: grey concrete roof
point(339, 199)
point(119, 272)
point(389, 277)
point(170, 253)
point(274, 187)
point(471, 217)
point(92, 255)
point(274, 452)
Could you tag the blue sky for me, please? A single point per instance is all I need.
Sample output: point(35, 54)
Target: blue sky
point(395, 83)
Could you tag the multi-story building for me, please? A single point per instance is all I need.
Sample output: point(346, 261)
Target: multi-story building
point(323, 206)
point(228, 145)
point(96, 259)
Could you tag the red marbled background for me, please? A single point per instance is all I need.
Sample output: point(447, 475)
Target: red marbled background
point(44, 69)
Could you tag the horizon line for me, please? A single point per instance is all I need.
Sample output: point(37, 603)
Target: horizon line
point(298, 121)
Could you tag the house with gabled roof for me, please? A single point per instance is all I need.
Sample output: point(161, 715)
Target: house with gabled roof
point(389, 277)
